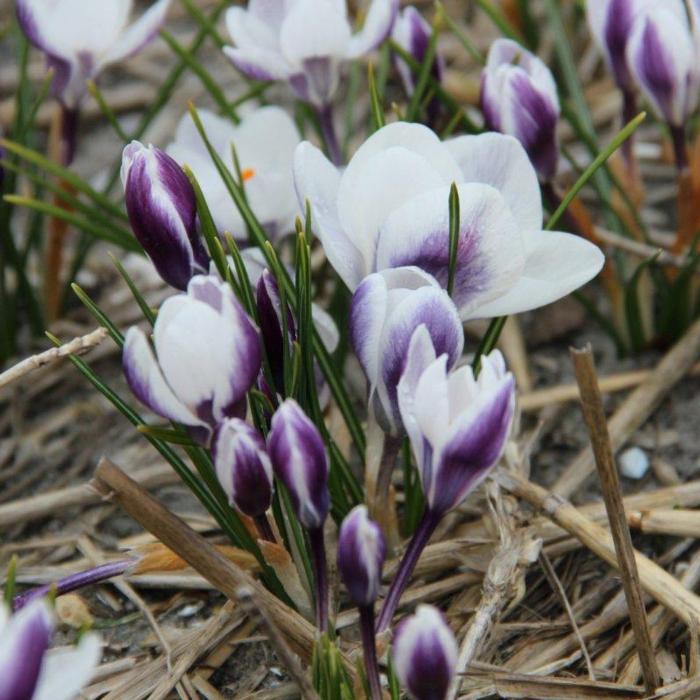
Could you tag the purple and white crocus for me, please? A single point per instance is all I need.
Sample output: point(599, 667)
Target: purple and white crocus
point(207, 356)
point(264, 140)
point(299, 460)
point(386, 310)
point(162, 212)
point(519, 98)
point(361, 555)
point(424, 653)
point(390, 208)
point(458, 426)
point(244, 471)
point(29, 670)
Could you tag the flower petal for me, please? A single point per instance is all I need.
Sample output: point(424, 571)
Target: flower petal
point(501, 161)
point(378, 23)
point(556, 264)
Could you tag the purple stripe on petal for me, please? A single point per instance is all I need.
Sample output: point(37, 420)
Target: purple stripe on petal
point(25, 639)
point(322, 76)
point(618, 26)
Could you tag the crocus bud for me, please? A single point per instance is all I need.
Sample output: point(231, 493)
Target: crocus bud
point(361, 554)
point(412, 33)
point(162, 211)
point(207, 356)
point(28, 671)
point(519, 98)
point(663, 54)
point(386, 310)
point(425, 654)
point(299, 459)
point(457, 426)
point(242, 466)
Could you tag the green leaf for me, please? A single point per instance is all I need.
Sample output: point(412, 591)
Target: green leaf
point(114, 333)
point(375, 100)
point(107, 110)
point(146, 310)
point(453, 204)
point(423, 78)
point(633, 312)
point(488, 342)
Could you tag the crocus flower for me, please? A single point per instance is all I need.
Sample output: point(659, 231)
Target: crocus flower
point(162, 212)
point(243, 468)
point(207, 356)
point(412, 33)
point(386, 310)
point(299, 459)
point(663, 53)
point(519, 98)
point(81, 38)
point(304, 42)
point(458, 427)
point(361, 554)
point(424, 653)
point(264, 141)
point(390, 208)
point(28, 671)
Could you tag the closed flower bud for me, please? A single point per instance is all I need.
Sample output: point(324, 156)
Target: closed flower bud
point(242, 466)
point(207, 356)
point(519, 98)
point(361, 554)
point(299, 459)
point(162, 211)
point(457, 425)
point(425, 654)
point(386, 309)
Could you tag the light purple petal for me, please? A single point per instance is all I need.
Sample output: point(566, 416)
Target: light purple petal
point(377, 27)
point(258, 64)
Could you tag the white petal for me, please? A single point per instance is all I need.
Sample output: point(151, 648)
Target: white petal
point(378, 23)
point(66, 671)
point(317, 179)
point(249, 29)
point(501, 161)
point(432, 408)
point(325, 325)
point(556, 264)
point(138, 34)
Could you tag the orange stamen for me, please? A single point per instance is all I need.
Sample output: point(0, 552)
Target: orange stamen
point(247, 174)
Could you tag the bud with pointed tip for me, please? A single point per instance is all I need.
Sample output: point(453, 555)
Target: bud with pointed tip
point(243, 466)
point(361, 554)
point(162, 209)
point(425, 654)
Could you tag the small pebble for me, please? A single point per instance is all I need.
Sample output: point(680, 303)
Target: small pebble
point(634, 463)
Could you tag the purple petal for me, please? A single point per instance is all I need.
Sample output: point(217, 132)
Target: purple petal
point(23, 642)
point(361, 554)
point(299, 460)
point(618, 27)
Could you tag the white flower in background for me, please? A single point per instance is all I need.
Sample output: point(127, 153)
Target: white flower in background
point(304, 42)
point(264, 141)
point(80, 38)
point(389, 208)
point(28, 670)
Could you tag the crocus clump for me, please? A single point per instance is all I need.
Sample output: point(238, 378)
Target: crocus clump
point(425, 654)
point(28, 670)
point(162, 212)
point(207, 356)
point(390, 208)
point(519, 97)
point(264, 142)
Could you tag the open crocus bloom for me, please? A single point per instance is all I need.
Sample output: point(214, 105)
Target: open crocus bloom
point(28, 671)
point(519, 98)
point(208, 356)
point(264, 141)
point(389, 208)
point(304, 42)
point(663, 53)
point(80, 38)
point(387, 309)
point(457, 424)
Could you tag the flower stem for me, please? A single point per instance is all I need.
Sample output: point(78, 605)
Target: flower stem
point(369, 650)
point(679, 147)
point(262, 525)
point(425, 529)
point(318, 554)
point(629, 112)
point(325, 118)
point(75, 581)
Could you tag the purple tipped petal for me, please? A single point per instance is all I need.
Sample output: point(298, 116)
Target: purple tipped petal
point(24, 639)
point(425, 654)
point(299, 459)
point(412, 32)
point(618, 27)
point(361, 554)
point(161, 205)
point(243, 466)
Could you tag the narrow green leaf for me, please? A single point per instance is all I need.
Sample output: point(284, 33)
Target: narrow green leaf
point(143, 304)
point(488, 342)
point(423, 79)
point(166, 435)
point(375, 100)
point(453, 203)
point(107, 110)
point(633, 311)
point(114, 333)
